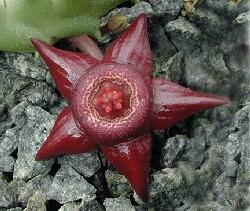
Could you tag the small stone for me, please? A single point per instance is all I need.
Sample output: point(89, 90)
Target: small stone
point(118, 184)
point(168, 9)
point(238, 61)
point(36, 202)
point(15, 209)
point(12, 85)
point(231, 168)
point(194, 151)
point(172, 148)
point(209, 22)
point(7, 164)
point(86, 164)
point(208, 205)
point(39, 93)
point(9, 141)
point(39, 183)
point(17, 113)
point(163, 190)
point(201, 73)
point(6, 195)
point(28, 66)
point(140, 8)
point(131, 13)
point(175, 66)
point(222, 188)
point(159, 43)
point(16, 185)
point(69, 186)
point(91, 205)
point(242, 18)
point(184, 34)
point(71, 206)
point(227, 8)
point(118, 204)
point(5, 123)
point(30, 138)
point(203, 128)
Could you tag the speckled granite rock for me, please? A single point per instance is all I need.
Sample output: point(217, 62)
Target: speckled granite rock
point(160, 44)
point(242, 18)
point(29, 66)
point(6, 195)
point(227, 8)
point(118, 184)
point(38, 125)
point(71, 206)
point(172, 148)
point(91, 205)
point(220, 169)
point(167, 9)
point(16, 186)
point(36, 202)
point(86, 164)
point(118, 204)
point(209, 22)
point(184, 34)
point(130, 12)
point(8, 141)
point(7, 164)
point(15, 209)
point(39, 183)
point(69, 186)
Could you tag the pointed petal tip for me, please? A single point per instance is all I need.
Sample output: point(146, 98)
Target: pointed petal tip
point(174, 103)
point(37, 43)
point(132, 159)
point(41, 46)
point(44, 152)
point(40, 155)
point(215, 100)
point(140, 21)
point(133, 47)
point(142, 17)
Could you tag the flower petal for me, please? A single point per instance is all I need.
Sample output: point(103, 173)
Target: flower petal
point(65, 138)
point(86, 45)
point(173, 103)
point(133, 47)
point(65, 67)
point(133, 160)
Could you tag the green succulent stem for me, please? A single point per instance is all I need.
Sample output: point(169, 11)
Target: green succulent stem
point(49, 20)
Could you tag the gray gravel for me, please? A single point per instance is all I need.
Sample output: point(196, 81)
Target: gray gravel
point(167, 9)
point(118, 204)
point(69, 186)
point(37, 184)
point(86, 164)
point(6, 195)
point(30, 137)
point(202, 163)
point(118, 184)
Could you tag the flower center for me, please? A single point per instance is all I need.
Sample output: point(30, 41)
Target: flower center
point(112, 100)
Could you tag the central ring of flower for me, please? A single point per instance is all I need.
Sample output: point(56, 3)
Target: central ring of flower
point(112, 100)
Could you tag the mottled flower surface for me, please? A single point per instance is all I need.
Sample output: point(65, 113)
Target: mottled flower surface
point(114, 103)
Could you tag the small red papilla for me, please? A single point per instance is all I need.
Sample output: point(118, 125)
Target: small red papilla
point(115, 103)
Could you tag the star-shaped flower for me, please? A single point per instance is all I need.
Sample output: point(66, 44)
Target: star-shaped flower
point(114, 103)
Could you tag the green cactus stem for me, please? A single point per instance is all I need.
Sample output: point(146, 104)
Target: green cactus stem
point(49, 20)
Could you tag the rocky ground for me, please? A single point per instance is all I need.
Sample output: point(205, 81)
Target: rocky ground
point(200, 164)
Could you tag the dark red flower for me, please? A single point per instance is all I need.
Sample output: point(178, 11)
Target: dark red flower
point(114, 103)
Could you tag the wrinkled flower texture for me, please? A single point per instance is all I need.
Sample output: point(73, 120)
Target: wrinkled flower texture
point(114, 103)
